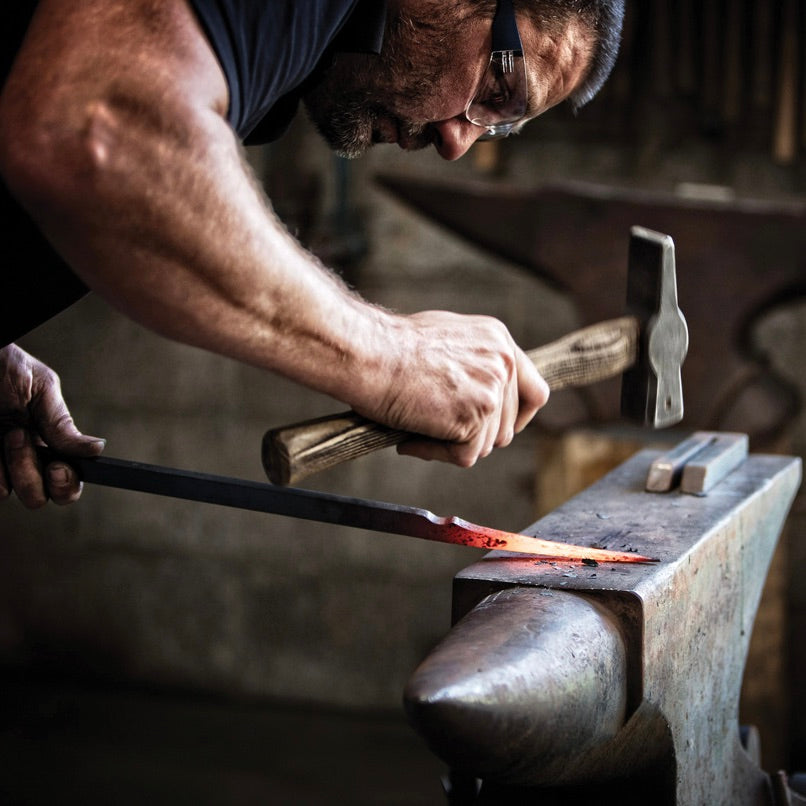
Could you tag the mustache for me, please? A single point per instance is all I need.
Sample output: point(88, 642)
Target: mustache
point(416, 136)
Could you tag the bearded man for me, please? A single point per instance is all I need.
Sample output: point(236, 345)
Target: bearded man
point(121, 123)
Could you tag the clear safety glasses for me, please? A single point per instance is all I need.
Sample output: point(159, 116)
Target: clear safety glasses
point(499, 102)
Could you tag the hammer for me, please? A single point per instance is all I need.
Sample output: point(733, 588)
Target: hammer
point(648, 345)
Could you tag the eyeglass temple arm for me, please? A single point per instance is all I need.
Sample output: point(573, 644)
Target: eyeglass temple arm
point(505, 29)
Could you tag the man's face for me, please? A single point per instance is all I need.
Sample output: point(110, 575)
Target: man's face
point(415, 93)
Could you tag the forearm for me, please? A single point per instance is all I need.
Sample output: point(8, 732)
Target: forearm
point(187, 246)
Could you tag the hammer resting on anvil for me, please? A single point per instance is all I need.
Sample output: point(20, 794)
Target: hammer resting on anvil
point(650, 343)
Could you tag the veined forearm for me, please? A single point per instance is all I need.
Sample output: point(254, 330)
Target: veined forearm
point(181, 240)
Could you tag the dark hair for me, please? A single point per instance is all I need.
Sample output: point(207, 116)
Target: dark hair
point(606, 17)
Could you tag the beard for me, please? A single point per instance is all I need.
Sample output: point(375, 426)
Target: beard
point(350, 125)
point(361, 96)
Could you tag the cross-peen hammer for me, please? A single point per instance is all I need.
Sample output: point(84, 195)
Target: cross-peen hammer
point(648, 346)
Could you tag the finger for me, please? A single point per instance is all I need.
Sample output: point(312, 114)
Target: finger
point(533, 391)
point(56, 427)
point(456, 453)
point(489, 438)
point(63, 483)
point(510, 409)
point(23, 469)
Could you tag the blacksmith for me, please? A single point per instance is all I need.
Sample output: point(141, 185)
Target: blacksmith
point(121, 124)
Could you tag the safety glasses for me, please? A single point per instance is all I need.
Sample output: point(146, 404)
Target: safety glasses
point(499, 102)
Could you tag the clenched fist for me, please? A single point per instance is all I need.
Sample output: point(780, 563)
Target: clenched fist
point(460, 380)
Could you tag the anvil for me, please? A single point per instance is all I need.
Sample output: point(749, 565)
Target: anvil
point(613, 684)
point(735, 260)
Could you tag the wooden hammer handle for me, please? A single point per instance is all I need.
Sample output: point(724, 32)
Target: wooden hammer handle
point(583, 357)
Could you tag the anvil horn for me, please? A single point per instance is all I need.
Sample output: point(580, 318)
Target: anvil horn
point(512, 690)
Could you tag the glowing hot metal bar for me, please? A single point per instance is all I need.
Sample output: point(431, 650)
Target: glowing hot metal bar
point(456, 530)
point(311, 505)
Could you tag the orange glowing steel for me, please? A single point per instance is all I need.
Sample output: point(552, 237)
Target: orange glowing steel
point(461, 532)
point(375, 515)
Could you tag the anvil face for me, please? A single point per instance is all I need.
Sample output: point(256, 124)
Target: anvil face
point(734, 261)
point(556, 675)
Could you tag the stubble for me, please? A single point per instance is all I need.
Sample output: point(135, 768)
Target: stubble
point(359, 91)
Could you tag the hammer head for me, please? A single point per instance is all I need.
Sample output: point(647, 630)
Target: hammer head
point(652, 389)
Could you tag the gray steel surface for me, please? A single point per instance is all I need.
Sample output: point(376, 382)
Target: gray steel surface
point(535, 699)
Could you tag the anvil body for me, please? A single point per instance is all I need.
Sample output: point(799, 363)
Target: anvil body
point(560, 675)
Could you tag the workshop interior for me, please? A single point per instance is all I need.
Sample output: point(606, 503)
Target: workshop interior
point(158, 650)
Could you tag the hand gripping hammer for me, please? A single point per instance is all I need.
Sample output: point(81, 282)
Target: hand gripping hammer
point(648, 346)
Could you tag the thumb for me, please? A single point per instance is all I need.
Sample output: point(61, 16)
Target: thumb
point(54, 424)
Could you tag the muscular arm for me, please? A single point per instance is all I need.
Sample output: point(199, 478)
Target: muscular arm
point(113, 136)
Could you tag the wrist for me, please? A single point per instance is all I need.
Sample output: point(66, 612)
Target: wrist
point(371, 357)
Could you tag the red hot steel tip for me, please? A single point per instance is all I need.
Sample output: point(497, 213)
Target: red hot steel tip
point(464, 533)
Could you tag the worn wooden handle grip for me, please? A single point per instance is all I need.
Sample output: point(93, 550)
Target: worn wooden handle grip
point(583, 357)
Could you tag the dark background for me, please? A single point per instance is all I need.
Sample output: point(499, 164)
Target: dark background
point(168, 652)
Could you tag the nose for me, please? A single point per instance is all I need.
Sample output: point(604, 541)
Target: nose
point(455, 136)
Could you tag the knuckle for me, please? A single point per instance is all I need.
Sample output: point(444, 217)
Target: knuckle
point(475, 418)
point(468, 427)
point(35, 502)
point(15, 442)
point(540, 396)
point(506, 371)
point(17, 392)
point(489, 404)
point(63, 422)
